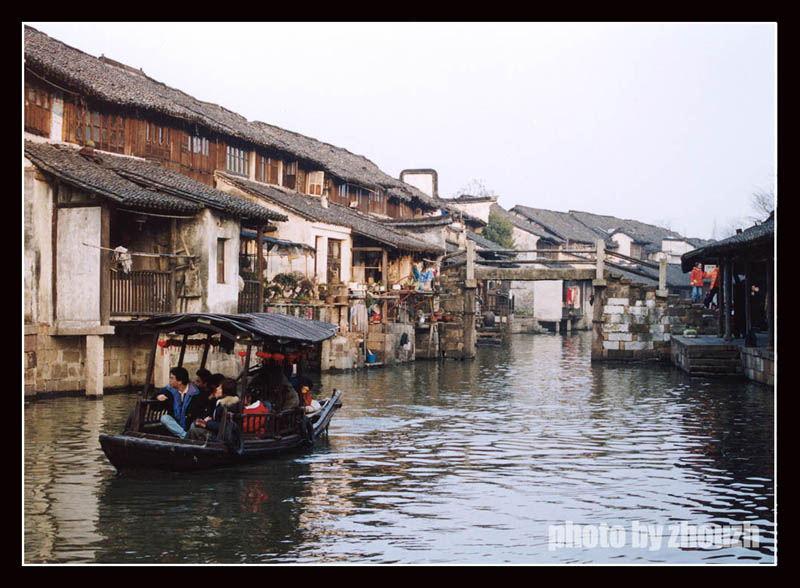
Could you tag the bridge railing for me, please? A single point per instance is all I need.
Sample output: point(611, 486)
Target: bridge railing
point(597, 256)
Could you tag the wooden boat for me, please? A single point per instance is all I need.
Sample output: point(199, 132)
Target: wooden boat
point(276, 339)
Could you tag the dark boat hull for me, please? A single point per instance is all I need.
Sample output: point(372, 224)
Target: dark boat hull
point(142, 451)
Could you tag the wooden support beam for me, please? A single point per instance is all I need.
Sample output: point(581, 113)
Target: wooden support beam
point(748, 307)
point(721, 297)
point(728, 298)
point(770, 302)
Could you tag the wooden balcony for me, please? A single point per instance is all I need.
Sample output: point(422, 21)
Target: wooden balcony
point(140, 293)
point(248, 298)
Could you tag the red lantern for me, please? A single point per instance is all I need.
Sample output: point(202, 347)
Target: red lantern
point(162, 344)
point(242, 354)
point(264, 355)
point(278, 357)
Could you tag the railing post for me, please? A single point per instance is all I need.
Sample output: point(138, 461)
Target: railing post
point(600, 277)
point(662, 291)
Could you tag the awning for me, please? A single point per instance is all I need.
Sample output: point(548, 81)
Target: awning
point(273, 241)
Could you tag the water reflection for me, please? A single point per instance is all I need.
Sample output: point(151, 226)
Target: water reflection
point(452, 462)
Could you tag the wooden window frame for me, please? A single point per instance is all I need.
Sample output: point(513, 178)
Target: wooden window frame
point(158, 140)
point(290, 175)
point(315, 187)
point(221, 260)
point(107, 131)
point(38, 109)
point(237, 160)
point(268, 170)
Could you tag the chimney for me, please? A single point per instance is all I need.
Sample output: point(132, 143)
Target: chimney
point(738, 231)
point(324, 201)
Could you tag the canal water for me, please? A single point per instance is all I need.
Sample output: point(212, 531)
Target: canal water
point(529, 454)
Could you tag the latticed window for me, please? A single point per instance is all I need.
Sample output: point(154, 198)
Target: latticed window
point(196, 144)
point(106, 131)
point(237, 160)
point(157, 140)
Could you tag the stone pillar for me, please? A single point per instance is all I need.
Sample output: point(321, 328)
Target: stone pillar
point(662, 291)
point(600, 277)
point(470, 285)
point(94, 365)
point(597, 321)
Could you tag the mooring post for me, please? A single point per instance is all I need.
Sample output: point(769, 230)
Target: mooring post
point(662, 291)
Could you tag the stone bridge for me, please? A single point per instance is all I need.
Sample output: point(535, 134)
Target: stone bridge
point(631, 328)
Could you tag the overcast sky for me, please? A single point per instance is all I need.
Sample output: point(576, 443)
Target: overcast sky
point(668, 123)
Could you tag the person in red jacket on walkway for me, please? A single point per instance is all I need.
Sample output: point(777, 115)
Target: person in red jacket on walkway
point(696, 279)
point(714, 275)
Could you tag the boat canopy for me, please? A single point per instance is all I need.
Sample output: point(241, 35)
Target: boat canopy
point(264, 326)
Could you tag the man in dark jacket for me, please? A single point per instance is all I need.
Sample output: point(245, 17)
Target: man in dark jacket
point(182, 400)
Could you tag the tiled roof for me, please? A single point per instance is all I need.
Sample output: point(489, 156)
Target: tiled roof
point(310, 208)
point(115, 83)
point(643, 233)
point(561, 224)
point(760, 235)
point(137, 184)
point(522, 224)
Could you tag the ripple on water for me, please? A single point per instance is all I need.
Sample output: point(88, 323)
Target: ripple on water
point(432, 462)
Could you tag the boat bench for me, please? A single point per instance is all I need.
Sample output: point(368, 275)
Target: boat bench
point(149, 412)
point(271, 425)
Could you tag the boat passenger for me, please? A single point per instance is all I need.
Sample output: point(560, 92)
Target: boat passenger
point(207, 383)
point(254, 405)
point(182, 401)
point(208, 427)
point(280, 389)
point(309, 403)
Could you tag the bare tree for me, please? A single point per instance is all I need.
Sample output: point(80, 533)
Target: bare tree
point(763, 203)
point(475, 187)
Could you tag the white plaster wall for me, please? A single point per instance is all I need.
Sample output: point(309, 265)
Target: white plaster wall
point(674, 247)
point(423, 182)
point(547, 300)
point(222, 297)
point(623, 242)
point(78, 267)
point(477, 209)
point(38, 254)
point(524, 293)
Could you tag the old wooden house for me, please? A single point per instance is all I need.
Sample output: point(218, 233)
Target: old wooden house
point(202, 210)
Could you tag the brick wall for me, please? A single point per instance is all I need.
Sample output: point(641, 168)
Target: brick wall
point(635, 324)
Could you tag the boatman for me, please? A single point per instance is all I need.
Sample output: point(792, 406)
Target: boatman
point(183, 402)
